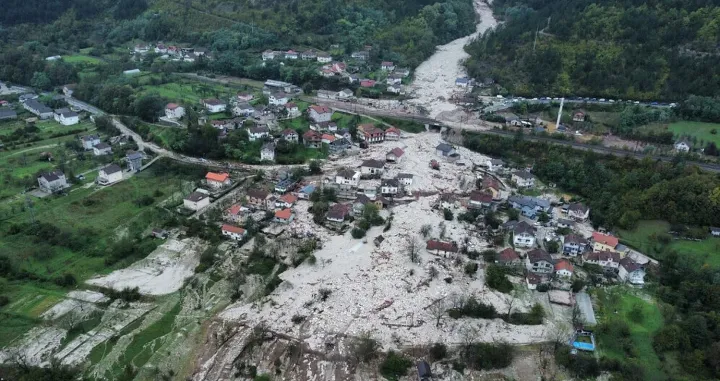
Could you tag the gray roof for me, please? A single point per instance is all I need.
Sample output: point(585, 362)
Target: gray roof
point(574, 238)
point(404, 176)
point(102, 146)
point(134, 155)
point(630, 265)
point(346, 173)
point(523, 174)
point(196, 196)
point(62, 110)
point(523, 227)
point(578, 207)
point(372, 163)
point(496, 162)
point(7, 113)
point(70, 114)
point(37, 106)
point(112, 168)
point(444, 147)
point(52, 176)
point(390, 183)
point(537, 255)
point(259, 130)
point(531, 202)
point(90, 137)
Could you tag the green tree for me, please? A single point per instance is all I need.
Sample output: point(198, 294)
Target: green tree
point(41, 81)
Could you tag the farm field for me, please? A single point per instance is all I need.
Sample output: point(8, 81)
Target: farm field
point(82, 59)
point(189, 91)
point(643, 239)
point(699, 130)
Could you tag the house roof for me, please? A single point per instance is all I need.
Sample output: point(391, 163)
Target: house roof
point(564, 264)
point(523, 175)
point(7, 113)
point(290, 105)
point(52, 176)
point(508, 255)
point(481, 197)
point(312, 135)
point(444, 147)
point(398, 152)
point(441, 246)
point(133, 155)
point(196, 196)
point(213, 176)
point(404, 176)
point(531, 202)
point(39, 107)
point(523, 227)
point(714, 229)
point(574, 238)
point(244, 106)
point(213, 102)
point(490, 182)
point(259, 130)
point(346, 173)
point(338, 211)
point(269, 146)
point(602, 256)
point(328, 137)
point(288, 132)
point(284, 214)
point(362, 199)
point(372, 163)
point(390, 183)
point(234, 209)
point(578, 207)
point(605, 239)
point(69, 114)
point(288, 198)
point(462, 80)
point(387, 63)
point(565, 221)
point(320, 109)
point(172, 106)
point(392, 130)
point(257, 193)
point(536, 255)
point(630, 265)
point(233, 229)
point(62, 110)
point(308, 188)
point(101, 146)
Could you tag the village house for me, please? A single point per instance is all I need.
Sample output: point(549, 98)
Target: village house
point(319, 114)
point(387, 66)
point(258, 198)
point(6, 114)
point(174, 111)
point(134, 160)
point(389, 187)
point(370, 134)
point(286, 201)
point(361, 200)
point(361, 55)
point(393, 79)
point(578, 116)
point(574, 245)
point(326, 94)
point(534, 280)
point(395, 89)
point(492, 186)
point(367, 83)
point(438, 247)
point(69, 89)
point(609, 259)
point(89, 141)
point(631, 272)
point(141, 48)
point(245, 97)
point(539, 261)
point(372, 167)
point(604, 242)
point(214, 105)
point(529, 206)
point(284, 216)
point(51, 182)
point(243, 109)
point(66, 117)
point(305, 192)
point(578, 211)
point(715, 231)
point(37, 108)
point(102, 149)
point(444, 149)
point(324, 126)
point(268, 55)
point(392, 133)
point(217, 180)
point(564, 269)
point(267, 152)
point(682, 145)
point(309, 54)
point(235, 213)
point(405, 179)
point(196, 201)
point(233, 232)
point(462, 82)
point(290, 135)
point(494, 165)
point(523, 179)
point(338, 213)
point(278, 99)
point(292, 109)
point(323, 57)
point(312, 139)
point(344, 133)
point(347, 177)
point(395, 155)
point(257, 133)
point(222, 124)
point(480, 200)
point(565, 223)
point(291, 55)
point(327, 138)
point(508, 257)
point(338, 145)
point(523, 235)
point(109, 174)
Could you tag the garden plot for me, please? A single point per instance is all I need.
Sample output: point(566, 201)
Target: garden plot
point(75, 301)
point(379, 290)
point(162, 272)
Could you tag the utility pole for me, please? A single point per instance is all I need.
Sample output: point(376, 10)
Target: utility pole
point(29, 204)
point(562, 101)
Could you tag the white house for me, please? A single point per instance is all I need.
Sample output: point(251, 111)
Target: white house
point(392, 133)
point(174, 111)
point(578, 211)
point(110, 174)
point(37, 108)
point(267, 152)
point(243, 109)
point(292, 109)
point(393, 79)
point(387, 66)
point(54, 181)
point(348, 177)
point(101, 149)
point(462, 82)
point(278, 99)
point(405, 178)
point(539, 261)
point(291, 55)
point(444, 149)
point(69, 118)
point(395, 155)
point(214, 105)
point(256, 133)
point(323, 58)
point(682, 145)
point(234, 232)
point(494, 165)
point(523, 179)
point(319, 114)
point(564, 269)
point(390, 187)
point(196, 201)
point(524, 235)
point(217, 180)
point(372, 167)
point(89, 141)
point(290, 135)
point(268, 55)
point(603, 258)
point(631, 272)
point(345, 94)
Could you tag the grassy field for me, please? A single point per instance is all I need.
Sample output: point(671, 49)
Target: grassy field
point(185, 91)
point(642, 239)
point(700, 130)
point(643, 318)
point(82, 59)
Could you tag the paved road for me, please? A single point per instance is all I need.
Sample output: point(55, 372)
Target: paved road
point(586, 309)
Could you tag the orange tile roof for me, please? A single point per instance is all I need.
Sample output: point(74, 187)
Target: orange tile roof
point(283, 214)
point(289, 198)
point(320, 109)
point(605, 239)
point(235, 209)
point(328, 137)
point(564, 264)
point(221, 177)
point(233, 229)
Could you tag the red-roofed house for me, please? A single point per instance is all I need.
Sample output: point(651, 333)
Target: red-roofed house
point(371, 134)
point(235, 213)
point(328, 138)
point(480, 200)
point(217, 180)
point(286, 201)
point(312, 139)
point(392, 133)
point(564, 269)
point(235, 232)
point(367, 83)
point(395, 155)
point(508, 257)
point(604, 242)
point(174, 111)
point(319, 114)
point(438, 246)
point(284, 216)
point(292, 109)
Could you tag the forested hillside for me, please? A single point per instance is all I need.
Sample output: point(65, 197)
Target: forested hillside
point(637, 49)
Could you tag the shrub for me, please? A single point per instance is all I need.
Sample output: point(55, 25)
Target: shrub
point(324, 293)
point(473, 308)
point(496, 279)
point(438, 351)
point(357, 233)
point(394, 366)
point(534, 317)
point(364, 348)
point(543, 287)
point(297, 319)
point(471, 268)
point(488, 356)
point(67, 280)
point(4, 300)
point(473, 254)
point(489, 255)
point(448, 214)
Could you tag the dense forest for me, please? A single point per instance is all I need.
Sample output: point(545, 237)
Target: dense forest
point(653, 50)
